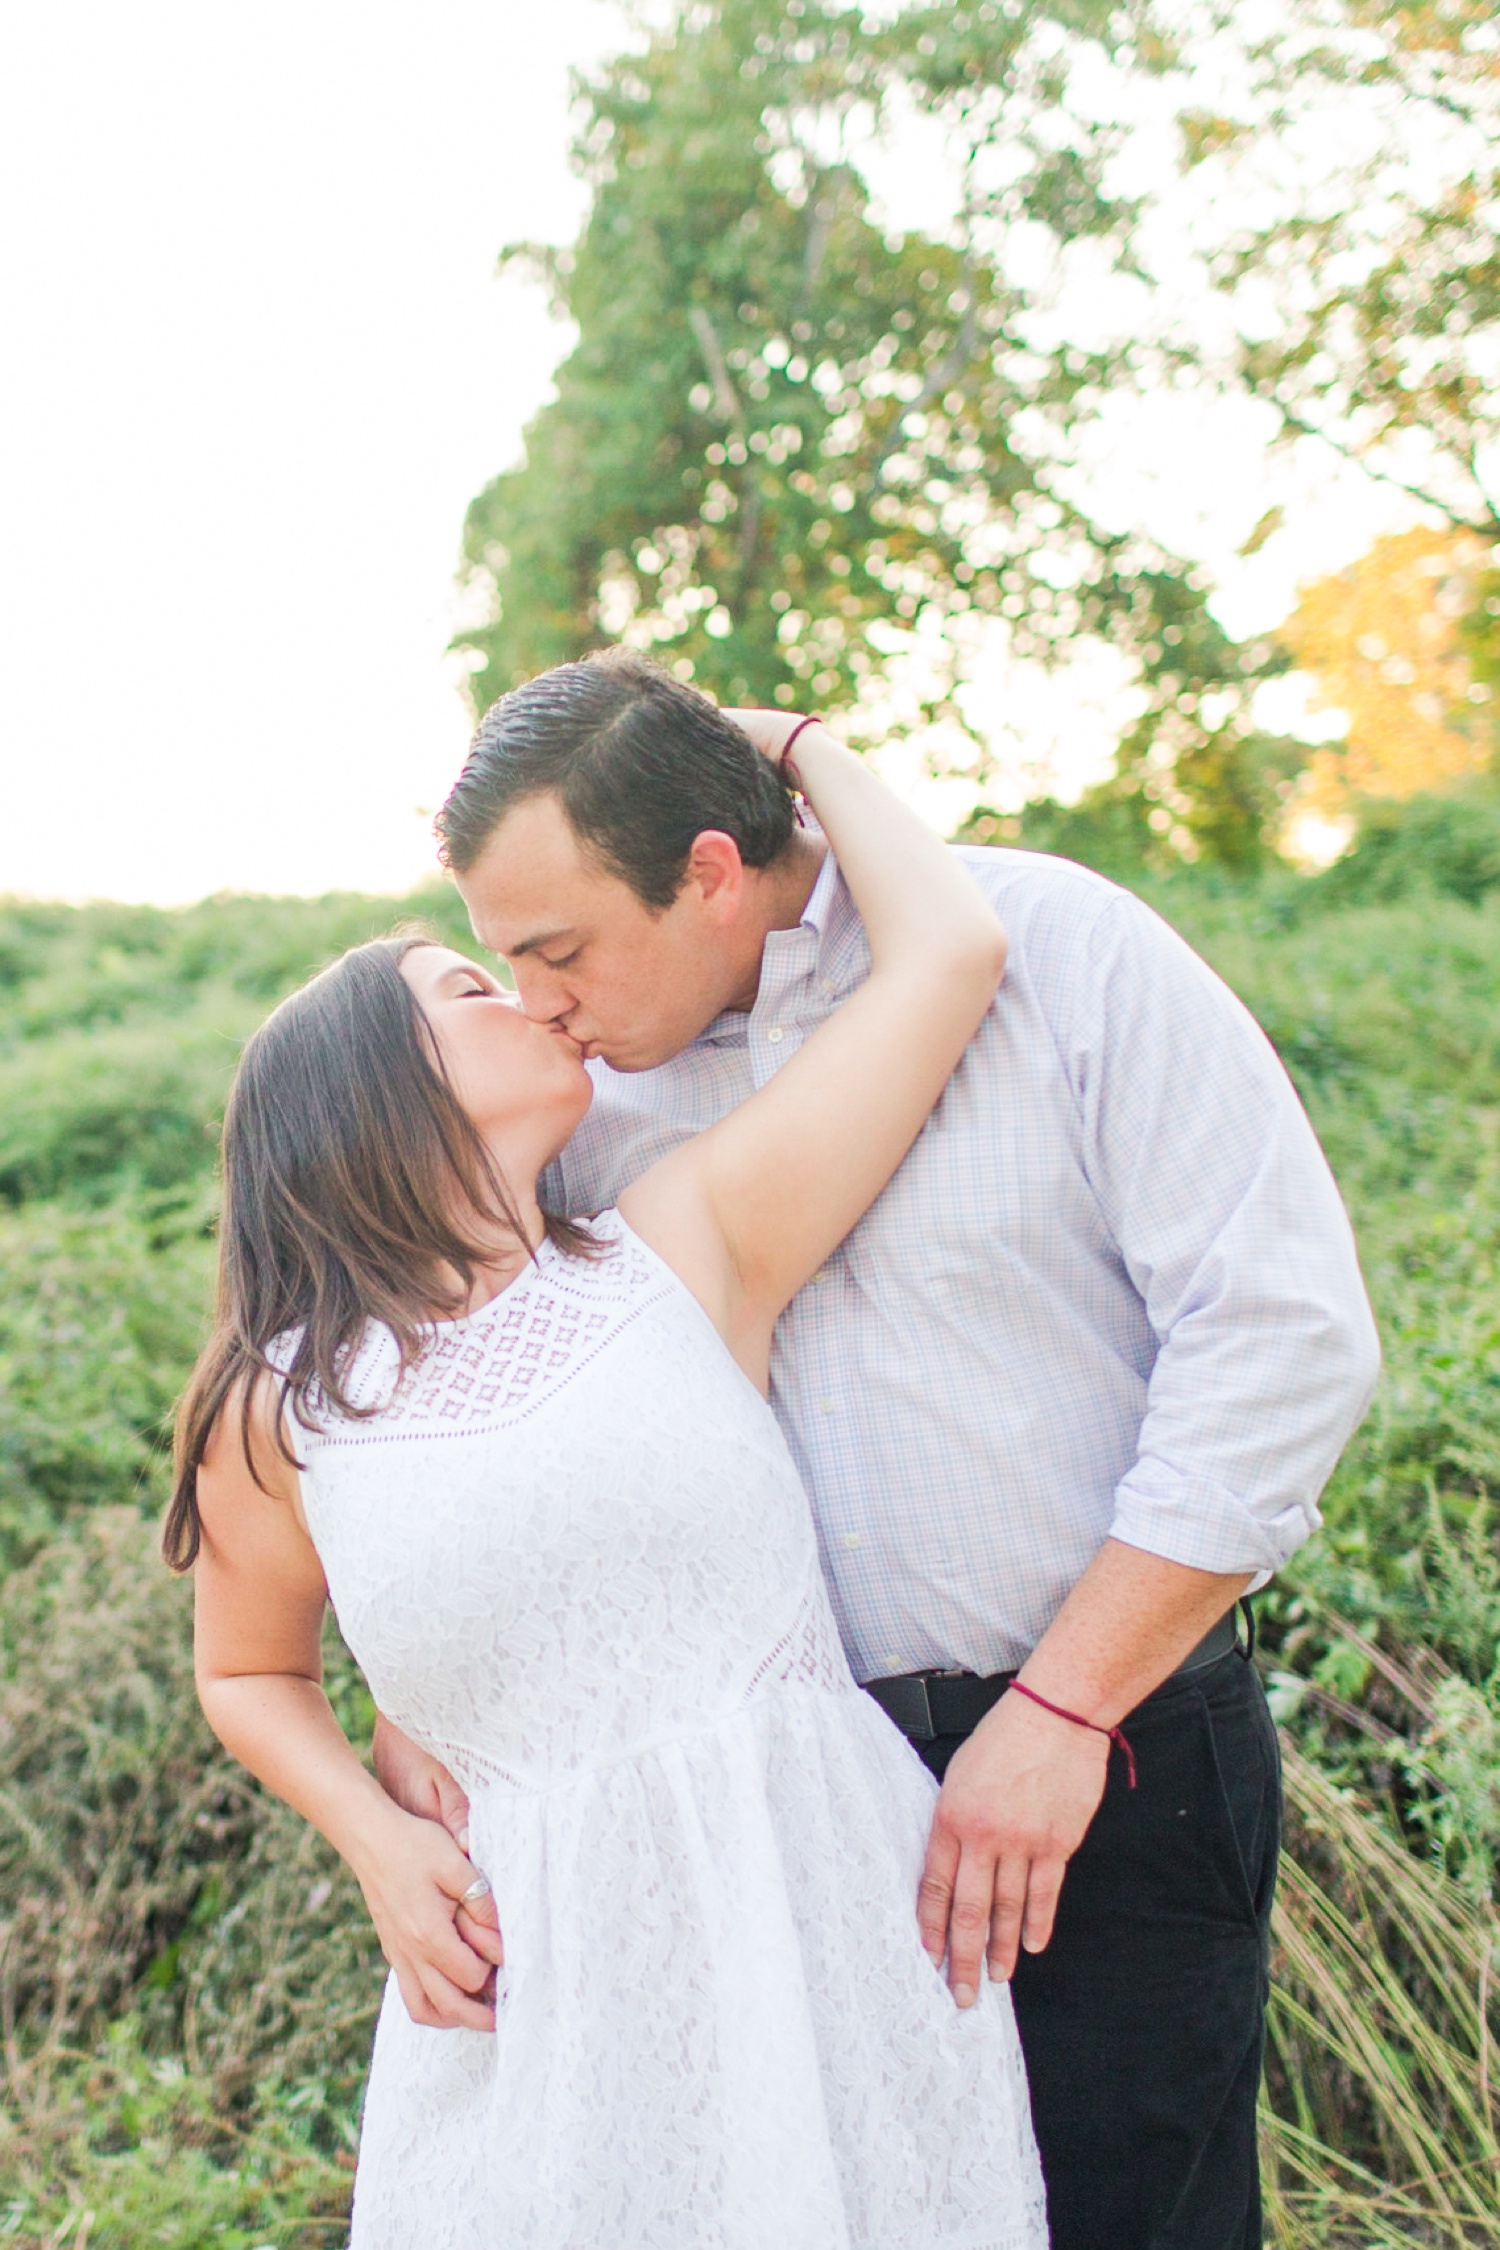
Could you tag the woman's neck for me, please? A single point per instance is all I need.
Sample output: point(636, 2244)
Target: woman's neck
point(510, 1257)
point(503, 1254)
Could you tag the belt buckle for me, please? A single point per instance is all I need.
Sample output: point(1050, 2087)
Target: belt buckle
point(907, 1702)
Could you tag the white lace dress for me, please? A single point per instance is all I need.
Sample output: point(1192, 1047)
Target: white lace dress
point(575, 1561)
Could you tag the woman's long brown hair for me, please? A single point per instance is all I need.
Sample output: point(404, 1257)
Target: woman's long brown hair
point(349, 1164)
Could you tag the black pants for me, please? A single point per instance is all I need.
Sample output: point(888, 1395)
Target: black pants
point(1143, 2022)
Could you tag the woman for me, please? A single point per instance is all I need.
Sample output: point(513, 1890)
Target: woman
point(535, 1470)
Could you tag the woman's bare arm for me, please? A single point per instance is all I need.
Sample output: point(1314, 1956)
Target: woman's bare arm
point(749, 1210)
point(259, 1602)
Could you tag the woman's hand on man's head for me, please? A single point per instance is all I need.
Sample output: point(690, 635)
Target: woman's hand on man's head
point(770, 731)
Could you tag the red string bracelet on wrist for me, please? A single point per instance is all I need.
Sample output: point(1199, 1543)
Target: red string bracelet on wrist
point(1116, 1734)
point(784, 761)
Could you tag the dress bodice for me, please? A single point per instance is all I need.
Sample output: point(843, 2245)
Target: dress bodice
point(572, 1530)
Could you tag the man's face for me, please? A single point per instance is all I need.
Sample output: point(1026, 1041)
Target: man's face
point(624, 980)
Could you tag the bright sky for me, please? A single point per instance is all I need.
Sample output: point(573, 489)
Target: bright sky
point(257, 363)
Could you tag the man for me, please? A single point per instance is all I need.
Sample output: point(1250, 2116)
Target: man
point(1069, 1391)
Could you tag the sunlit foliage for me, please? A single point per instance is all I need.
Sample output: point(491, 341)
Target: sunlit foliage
point(1384, 642)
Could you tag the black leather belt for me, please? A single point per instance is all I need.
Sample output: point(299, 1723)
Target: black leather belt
point(925, 1705)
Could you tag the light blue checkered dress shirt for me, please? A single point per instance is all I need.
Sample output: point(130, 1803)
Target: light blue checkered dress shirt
point(1111, 1291)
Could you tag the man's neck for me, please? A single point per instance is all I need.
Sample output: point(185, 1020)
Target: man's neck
point(778, 901)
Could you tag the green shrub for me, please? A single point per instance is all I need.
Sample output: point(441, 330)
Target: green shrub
point(115, 1111)
point(189, 1981)
point(101, 1313)
point(1446, 842)
point(67, 968)
point(188, 1973)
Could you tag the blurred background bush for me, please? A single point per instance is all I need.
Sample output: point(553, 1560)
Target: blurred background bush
point(187, 1985)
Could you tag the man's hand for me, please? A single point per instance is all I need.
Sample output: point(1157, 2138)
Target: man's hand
point(1015, 1806)
point(418, 1783)
point(445, 1959)
point(1020, 1793)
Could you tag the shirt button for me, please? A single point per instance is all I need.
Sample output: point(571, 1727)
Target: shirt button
point(775, 1033)
point(851, 1540)
point(827, 987)
point(892, 1663)
point(825, 1406)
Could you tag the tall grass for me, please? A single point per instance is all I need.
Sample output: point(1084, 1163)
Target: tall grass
point(1381, 2123)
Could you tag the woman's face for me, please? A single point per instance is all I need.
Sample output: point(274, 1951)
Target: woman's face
point(516, 1079)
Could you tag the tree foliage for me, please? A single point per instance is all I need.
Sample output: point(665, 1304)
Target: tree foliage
point(1385, 641)
point(807, 459)
point(1361, 141)
point(792, 452)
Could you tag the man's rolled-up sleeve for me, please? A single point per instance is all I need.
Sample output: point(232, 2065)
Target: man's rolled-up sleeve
point(1212, 1182)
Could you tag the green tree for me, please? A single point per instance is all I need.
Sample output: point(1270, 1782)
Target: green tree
point(799, 456)
point(791, 450)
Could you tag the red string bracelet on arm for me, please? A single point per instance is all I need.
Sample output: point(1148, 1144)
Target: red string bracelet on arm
point(784, 761)
point(1116, 1734)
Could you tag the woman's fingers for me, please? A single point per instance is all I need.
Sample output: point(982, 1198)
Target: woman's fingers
point(456, 2007)
point(475, 1917)
point(444, 1982)
point(438, 1927)
point(453, 1957)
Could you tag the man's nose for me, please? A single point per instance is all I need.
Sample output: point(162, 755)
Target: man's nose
point(542, 997)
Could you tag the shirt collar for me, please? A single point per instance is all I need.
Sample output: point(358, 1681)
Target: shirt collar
point(733, 1026)
point(815, 914)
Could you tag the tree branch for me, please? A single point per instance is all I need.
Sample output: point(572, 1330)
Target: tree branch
point(1488, 528)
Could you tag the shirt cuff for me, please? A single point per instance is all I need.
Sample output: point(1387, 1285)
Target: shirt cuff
point(1205, 1526)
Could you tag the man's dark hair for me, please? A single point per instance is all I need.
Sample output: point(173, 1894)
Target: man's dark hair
point(640, 762)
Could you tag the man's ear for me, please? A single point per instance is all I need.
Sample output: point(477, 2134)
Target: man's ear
point(716, 872)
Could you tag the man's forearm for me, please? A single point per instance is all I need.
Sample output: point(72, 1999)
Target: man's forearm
point(1128, 1623)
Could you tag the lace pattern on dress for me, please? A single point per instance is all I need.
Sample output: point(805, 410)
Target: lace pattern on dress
point(808, 1654)
point(512, 1356)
